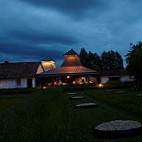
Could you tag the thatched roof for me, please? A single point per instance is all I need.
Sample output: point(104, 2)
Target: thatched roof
point(18, 70)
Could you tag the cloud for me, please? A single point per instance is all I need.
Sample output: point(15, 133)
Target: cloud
point(33, 29)
point(75, 8)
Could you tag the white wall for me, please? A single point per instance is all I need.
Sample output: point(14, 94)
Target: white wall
point(12, 83)
point(33, 82)
point(104, 79)
point(126, 78)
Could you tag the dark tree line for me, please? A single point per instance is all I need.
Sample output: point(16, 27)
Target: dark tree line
point(107, 61)
point(134, 61)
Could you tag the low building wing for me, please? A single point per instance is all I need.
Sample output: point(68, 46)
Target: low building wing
point(114, 73)
point(18, 70)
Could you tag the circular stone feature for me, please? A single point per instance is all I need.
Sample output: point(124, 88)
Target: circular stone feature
point(71, 93)
point(86, 105)
point(118, 128)
point(77, 97)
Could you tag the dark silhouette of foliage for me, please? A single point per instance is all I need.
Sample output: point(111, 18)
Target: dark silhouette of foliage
point(90, 60)
point(84, 57)
point(134, 61)
point(109, 60)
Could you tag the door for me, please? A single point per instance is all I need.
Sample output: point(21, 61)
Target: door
point(29, 83)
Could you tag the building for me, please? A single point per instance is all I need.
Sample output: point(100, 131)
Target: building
point(19, 75)
point(115, 75)
point(48, 64)
point(45, 73)
point(70, 72)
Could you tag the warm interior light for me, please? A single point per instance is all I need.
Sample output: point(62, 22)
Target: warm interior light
point(74, 82)
point(47, 62)
point(55, 83)
point(100, 85)
point(48, 65)
point(44, 87)
point(68, 77)
point(71, 56)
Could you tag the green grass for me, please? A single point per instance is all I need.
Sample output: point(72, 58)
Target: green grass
point(49, 115)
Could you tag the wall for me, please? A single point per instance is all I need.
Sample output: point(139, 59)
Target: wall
point(126, 78)
point(104, 79)
point(12, 83)
point(33, 82)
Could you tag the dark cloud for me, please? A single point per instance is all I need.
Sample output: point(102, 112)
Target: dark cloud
point(34, 29)
point(44, 38)
point(30, 51)
point(76, 8)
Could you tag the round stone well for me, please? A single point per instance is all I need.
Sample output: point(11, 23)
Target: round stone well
point(118, 128)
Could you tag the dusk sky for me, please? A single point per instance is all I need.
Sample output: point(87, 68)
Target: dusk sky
point(30, 30)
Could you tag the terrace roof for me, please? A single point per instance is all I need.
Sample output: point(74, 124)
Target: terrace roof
point(65, 71)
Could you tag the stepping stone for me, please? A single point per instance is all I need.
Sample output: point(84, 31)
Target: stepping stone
point(118, 128)
point(86, 105)
point(77, 97)
point(72, 94)
point(110, 90)
point(121, 92)
point(139, 95)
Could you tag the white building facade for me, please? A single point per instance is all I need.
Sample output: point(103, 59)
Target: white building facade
point(19, 75)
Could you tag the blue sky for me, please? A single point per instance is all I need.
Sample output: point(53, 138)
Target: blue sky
point(30, 30)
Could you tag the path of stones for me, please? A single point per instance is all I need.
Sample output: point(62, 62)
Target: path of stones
point(112, 129)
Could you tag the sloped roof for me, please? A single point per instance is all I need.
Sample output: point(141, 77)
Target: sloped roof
point(18, 70)
point(64, 71)
point(71, 66)
point(71, 52)
point(114, 73)
point(71, 62)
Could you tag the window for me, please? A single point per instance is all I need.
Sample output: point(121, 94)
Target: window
point(18, 82)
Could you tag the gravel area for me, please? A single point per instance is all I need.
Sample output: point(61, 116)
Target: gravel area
point(118, 125)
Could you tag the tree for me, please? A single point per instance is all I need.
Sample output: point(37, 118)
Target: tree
point(111, 61)
point(134, 61)
point(119, 61)
point(90, 60)
point(83, 57)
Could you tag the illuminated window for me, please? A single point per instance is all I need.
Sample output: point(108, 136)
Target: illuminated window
point(68, 77)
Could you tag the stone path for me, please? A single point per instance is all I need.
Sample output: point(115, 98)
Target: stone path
point(77, 97)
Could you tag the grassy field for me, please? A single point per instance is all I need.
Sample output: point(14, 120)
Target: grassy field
point(49, 115)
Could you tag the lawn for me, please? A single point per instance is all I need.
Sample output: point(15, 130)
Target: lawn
point(49, 115)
